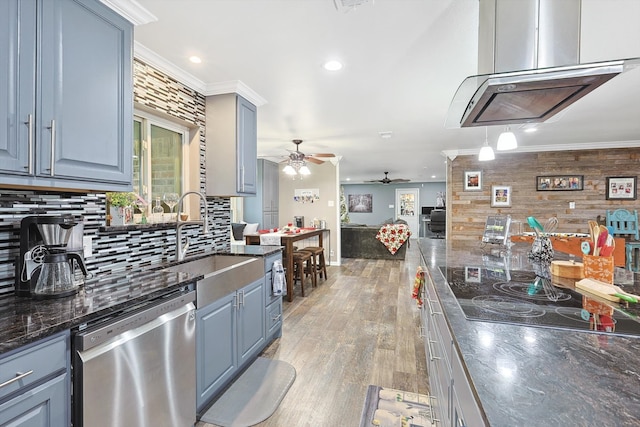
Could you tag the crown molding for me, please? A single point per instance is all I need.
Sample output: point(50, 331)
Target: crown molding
point(148, 56)
point(235, 86)
point(555, 147)
point(131, 10)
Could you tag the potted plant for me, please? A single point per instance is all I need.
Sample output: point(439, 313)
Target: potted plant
point(120, 210)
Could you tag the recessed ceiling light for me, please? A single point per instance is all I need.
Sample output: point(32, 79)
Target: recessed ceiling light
point(433, 176)
point(195, 59)
point(332, 65)
point(386, 134)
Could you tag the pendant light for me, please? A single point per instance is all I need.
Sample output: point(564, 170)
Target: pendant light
point(507, 141)
point(486, 152)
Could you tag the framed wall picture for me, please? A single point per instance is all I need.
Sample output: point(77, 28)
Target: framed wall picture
point(559, 182)
point(361, 203)
point(500, 196)
point(472, 180)
point(622, 188)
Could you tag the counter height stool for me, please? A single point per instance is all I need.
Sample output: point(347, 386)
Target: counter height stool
point(318, 259)
point(300, 258)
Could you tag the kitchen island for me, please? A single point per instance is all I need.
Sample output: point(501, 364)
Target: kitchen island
point(523, 375)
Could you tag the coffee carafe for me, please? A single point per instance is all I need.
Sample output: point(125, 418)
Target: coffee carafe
point(45, 267)
point(56, 275)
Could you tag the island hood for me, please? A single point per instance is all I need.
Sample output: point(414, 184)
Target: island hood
point(528, 58)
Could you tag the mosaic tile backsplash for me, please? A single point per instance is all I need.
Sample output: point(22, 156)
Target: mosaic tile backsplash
point(115, 250)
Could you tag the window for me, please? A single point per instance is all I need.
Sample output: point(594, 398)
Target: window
point(159, 149)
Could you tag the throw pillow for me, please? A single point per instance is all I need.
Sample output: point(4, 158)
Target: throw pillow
point(251, 228)
point(238, 230)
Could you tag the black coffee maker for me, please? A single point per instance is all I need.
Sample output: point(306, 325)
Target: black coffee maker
point(45, 267)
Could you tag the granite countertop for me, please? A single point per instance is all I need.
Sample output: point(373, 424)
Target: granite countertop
point(539, 376)
point(24, 320)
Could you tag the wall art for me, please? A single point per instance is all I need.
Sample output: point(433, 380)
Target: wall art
point(309, 195)
point(621, 188)
point(361, 203)
point(559, 182)
point(500, 196)
point(472, 180)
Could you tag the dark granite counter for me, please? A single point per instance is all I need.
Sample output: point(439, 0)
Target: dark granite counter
point(538, 376)
point(24, 320)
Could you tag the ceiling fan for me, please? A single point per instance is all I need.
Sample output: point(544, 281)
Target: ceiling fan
point(298, 156)
point(386, 180)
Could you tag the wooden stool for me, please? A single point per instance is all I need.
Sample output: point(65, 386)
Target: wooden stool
point(318, 259)
point(299, 260)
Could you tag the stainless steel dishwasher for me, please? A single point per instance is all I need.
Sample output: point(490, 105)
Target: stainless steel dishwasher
point(138, 368)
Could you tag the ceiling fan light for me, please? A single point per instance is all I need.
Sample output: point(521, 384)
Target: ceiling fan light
point(507, 141)
point(289, 170)
point(304, 170)
point(486, 153)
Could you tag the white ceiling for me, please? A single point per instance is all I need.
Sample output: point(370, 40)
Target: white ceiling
point(403, 61)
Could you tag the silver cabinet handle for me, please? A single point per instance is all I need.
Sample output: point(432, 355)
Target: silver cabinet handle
point(241, 299)
point(52, 160)
point(421, 332)
point(431, 356)
point(431, 409)
point(236, 297)
point(431, 308)
point(276, 318)
point(29, 124)
point(242, 178)
point(18, 377)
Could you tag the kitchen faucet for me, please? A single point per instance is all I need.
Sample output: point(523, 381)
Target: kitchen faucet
point(181, 251)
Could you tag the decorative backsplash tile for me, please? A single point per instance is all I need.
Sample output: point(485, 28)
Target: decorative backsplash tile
point(135, 247)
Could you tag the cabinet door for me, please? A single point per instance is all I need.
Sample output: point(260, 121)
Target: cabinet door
point(216, 356)
point(17, 83)
point(44, 406)
point(251, 320)
point(85, 119)
point(246, 146)
point(270, 186)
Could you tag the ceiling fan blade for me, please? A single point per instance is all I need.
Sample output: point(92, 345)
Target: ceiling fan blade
point(400, 180)
point(322, 155)
point(313, 160)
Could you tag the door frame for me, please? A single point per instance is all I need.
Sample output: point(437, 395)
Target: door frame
point(414, 224)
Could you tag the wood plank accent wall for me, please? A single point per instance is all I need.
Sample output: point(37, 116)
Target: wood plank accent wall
point(467, 211)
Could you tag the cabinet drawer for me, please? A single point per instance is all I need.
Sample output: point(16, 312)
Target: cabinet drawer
point(466, 407)
point(33, 363)
point(274, 316)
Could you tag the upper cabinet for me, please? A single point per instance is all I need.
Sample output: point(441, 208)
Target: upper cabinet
point(231, 146)
point(263, 208)
point(66, 95)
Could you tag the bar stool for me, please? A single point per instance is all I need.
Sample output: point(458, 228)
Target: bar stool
point(300, 258)
point(318, 259)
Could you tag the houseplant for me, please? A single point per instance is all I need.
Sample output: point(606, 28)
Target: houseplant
point(120, 211)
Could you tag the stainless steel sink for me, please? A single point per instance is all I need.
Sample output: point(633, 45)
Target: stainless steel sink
point(223, 274)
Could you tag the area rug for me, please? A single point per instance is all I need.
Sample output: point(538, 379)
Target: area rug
point(386, 407)
point(254, 396)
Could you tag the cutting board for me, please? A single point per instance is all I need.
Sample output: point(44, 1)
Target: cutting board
point(567, 269)
point(601, 289)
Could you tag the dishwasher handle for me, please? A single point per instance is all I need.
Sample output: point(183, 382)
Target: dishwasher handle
point(94, 337)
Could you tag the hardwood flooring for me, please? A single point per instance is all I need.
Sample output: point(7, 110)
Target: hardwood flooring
point(359, 327)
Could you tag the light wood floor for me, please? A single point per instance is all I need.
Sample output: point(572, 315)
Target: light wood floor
point(359, 327)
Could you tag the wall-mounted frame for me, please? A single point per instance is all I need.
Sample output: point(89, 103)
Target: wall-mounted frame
point(361, 203)
point(500, 196)
point(622, 187)
point(560, 182)
point(472, 180)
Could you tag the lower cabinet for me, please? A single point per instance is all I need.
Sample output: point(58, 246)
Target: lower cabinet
point(42, 395)
point(229, 332)
point(453, 401)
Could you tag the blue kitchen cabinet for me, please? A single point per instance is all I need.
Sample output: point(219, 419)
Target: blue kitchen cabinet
point(35, 385)
point(66, 95)
point(273, 303)
point(263, 209)
point(231, 146)
point(229, 333)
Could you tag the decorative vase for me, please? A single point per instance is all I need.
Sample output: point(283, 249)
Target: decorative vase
point(120, 215)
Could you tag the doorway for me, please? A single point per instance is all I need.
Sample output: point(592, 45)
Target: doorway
point(407, 208)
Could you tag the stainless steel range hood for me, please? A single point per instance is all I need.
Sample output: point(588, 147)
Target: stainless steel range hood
point(540, 37)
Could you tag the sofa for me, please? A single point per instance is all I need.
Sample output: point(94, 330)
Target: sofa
point(359, 241)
